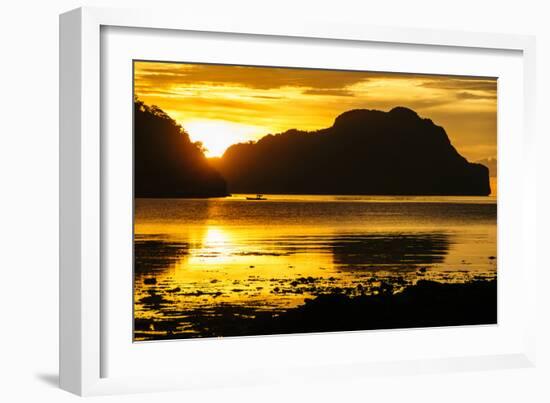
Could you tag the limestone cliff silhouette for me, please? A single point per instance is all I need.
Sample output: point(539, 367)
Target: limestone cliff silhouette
point(167, 163)
point(365, 152)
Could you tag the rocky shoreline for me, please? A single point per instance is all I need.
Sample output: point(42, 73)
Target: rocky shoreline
point(424, 304)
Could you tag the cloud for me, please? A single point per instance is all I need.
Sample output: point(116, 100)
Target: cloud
point(470, 95)
point(174, 75)
point(335, 92)
point(266, 97)
point(464, 84)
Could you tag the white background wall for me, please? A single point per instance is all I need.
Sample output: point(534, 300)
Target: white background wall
point(29, 196)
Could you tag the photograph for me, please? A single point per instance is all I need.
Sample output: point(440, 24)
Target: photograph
point(282, 200)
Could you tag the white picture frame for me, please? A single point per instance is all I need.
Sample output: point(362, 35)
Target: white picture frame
point(84, 340)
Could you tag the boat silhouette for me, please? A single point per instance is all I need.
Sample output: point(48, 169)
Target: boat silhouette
point(258, 197)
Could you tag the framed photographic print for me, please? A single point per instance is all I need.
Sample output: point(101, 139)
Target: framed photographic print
point(265, 199)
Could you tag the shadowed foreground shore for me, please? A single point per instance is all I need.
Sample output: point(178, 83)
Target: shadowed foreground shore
point(425, 304)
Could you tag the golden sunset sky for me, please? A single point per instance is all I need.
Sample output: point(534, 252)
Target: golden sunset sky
point(221, 105)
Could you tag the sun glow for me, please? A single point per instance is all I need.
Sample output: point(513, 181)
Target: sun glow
point(218, 135)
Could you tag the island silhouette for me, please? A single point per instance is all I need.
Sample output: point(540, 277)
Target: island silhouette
point(365, 152)
point(166, 162)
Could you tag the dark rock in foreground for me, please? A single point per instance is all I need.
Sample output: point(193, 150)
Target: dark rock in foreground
point(426, 304)
point(364, 152)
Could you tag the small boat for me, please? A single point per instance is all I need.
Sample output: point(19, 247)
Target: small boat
point(258, 197)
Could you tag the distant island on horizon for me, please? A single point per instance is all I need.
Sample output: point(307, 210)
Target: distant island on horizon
point(365, 152)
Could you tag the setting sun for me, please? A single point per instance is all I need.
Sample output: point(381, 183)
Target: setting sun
point(217, 135)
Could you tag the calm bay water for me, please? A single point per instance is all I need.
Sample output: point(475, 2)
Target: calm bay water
point(197, 258)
